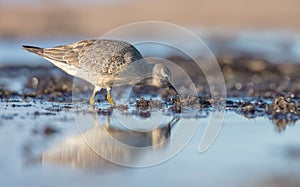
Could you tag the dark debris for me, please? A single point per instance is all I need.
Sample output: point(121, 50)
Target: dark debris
point(283, 111)
point(255, 88)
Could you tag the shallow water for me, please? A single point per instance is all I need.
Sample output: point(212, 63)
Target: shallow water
point(273, 46)
point(46, 148)
point(46, 140)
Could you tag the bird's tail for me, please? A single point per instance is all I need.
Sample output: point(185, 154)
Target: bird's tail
point(32, 49)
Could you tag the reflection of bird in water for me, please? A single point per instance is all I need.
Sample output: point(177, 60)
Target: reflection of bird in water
point(106, 63)
point(118, 145)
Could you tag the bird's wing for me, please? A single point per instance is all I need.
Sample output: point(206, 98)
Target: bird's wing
point(69, 54)
point(115, 56)
point(99, 57)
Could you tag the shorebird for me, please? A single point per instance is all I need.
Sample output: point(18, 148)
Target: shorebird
point(105, 64)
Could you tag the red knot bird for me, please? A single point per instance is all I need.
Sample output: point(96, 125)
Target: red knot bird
point(106, 63)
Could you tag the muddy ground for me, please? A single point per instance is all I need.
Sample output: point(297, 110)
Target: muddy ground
point(255, 88)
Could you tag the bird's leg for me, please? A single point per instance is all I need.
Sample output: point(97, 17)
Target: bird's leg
point(92, 99)
point(109, 99)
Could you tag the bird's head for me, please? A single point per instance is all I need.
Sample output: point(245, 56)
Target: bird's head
point(161, 77)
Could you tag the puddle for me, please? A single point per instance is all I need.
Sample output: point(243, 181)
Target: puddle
point(48, 137)
point(68, 147)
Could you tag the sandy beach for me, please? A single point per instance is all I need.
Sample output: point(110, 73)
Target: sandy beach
point(65, 19)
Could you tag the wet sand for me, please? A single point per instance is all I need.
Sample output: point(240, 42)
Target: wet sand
point(255, 88)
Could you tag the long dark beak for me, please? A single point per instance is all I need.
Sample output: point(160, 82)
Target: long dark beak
point(172, 90)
